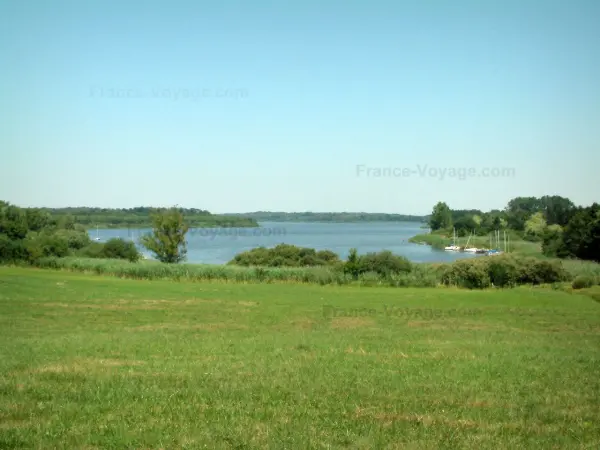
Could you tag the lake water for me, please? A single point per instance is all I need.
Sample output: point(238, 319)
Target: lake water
point(220, 245)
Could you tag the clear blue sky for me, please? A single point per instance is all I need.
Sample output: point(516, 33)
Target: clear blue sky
point(295, 95)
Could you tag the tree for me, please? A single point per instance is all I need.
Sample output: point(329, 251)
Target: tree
point(441, 217)
point(536, 225)
point(581, 236)
point(520, 209)
point(167, 240)
point(557, 210)
point(13, 222)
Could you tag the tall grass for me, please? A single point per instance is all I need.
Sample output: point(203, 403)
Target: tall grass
point(476, 272)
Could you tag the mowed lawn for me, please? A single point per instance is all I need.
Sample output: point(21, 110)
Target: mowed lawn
point(98, 362)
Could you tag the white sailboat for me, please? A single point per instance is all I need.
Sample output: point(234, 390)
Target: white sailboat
point(97, 234)
point(453, 247)
point(470, 249)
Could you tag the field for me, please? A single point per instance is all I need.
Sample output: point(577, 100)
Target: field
point(91, 361)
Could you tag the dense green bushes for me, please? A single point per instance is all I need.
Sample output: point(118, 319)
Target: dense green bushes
point(120, 249)
point(383, 264)
point(583, 281)
point(285, 255)
point(30, 234)
point(501, 271)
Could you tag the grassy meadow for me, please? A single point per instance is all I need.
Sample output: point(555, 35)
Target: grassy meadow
point(91, 361)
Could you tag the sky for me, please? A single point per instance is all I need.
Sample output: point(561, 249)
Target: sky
point(238, 106)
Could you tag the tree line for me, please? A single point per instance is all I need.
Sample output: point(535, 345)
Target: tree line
point(140, 217)
point(564, 229)
point(335, 217)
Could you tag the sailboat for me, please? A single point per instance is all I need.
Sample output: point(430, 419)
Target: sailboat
point(496, 251)
point(97, 234)
point(453, 247)
point(470, 249)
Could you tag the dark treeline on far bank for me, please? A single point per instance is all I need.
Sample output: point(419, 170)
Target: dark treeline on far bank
point(141, 217)
point(335, 217)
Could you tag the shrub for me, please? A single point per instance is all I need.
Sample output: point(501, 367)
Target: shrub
point(470, 274)
point(120, 249)
point(384, 263)
point(285, 255)
point(75, 239)
point(583, 281)
point(503, 271)
point(12, 250)
point(93, 250)
point(536, 271)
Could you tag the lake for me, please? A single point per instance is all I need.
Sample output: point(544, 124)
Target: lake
point(220, 245)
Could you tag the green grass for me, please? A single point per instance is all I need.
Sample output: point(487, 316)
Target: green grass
point(100, 362)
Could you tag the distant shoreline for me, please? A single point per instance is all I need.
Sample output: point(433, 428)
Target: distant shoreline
point(326, 217)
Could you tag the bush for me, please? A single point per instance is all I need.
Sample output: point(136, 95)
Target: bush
point(384, 264)
point(583, 281)
point(120, 249)
point(470, 274)
point(285, 255)
point(536, 271)
point(75, 239)
point(93, 250)
point(12, 250)
point(503, 271)
point(46, 244)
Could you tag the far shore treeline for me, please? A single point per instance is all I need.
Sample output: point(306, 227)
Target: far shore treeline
point(334, 217)
point(140, 217)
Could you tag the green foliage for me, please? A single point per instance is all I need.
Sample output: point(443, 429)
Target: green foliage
point(352, 265)
point(285, 255)
point(93, 250)
point(383, 263)
point(13, 222)
point(167, 240)
point(140, 217)
point(580, 238)
point(27, 234)
point(12, 250)
point(540, 271)
point(583, 281)
point(536, 225)
point(470, 274)
point(120, 249)
point(47, 243)
point(499, 270)
point(503, 271)
point(441, 217)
